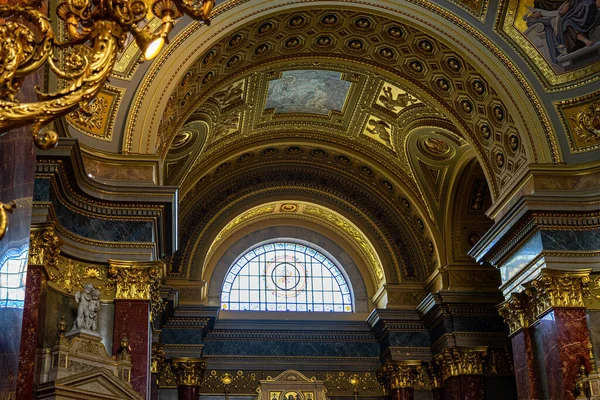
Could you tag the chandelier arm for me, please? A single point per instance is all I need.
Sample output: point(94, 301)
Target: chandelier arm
point(14, 115)
point(202, 14)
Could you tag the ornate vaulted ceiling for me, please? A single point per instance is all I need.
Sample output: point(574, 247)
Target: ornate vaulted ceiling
point(404, 119)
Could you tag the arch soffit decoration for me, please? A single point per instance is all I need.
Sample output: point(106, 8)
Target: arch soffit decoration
point(500, 78)
point(391, 217)
point(319, 218)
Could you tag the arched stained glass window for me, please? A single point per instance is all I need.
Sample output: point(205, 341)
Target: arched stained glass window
point(285, 277)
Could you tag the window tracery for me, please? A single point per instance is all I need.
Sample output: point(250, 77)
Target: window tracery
point(285, 276)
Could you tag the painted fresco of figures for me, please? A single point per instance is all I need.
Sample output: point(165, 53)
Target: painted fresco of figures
point(566, 32)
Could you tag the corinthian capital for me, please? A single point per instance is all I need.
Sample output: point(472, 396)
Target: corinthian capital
point(136, 280)
point(44, 245)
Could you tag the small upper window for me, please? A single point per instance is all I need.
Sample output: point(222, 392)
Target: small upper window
point(285, 276)
point(13, 273)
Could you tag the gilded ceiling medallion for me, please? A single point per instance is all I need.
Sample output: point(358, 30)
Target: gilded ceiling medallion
point(435, 148)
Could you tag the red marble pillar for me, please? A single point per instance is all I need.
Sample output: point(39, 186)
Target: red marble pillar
point(188, 392)
point(32, 332)
point(524, 364)
point(464, 387)
point(564, 336)
point(402, 394)
point(132, 319)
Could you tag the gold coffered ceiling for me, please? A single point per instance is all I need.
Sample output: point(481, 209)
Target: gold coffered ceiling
point(375, 111)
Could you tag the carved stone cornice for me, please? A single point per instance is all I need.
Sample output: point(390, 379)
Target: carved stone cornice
point(189, 371)
point(515, 313)
point(554, 288)
point(394, 376)
point(44, 246)
point(456, 361)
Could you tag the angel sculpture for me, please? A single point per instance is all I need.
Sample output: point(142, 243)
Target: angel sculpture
point(88, 302)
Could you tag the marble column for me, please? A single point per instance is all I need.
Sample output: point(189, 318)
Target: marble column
point(524, 365)
point(32, 332)
point(564, 338)
point(132, 320)
point(43, 252)
point(189, 373)
point(464, 387)
point(137, 286)
point(517, 316)
point(403, 394)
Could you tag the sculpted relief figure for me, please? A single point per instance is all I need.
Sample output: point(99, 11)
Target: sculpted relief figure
point(88, 302)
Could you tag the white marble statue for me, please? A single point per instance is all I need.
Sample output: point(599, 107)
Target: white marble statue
point(88, 302)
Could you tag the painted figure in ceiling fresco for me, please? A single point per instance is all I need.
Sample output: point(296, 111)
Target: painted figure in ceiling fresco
point(565, 31)
point(307, 91)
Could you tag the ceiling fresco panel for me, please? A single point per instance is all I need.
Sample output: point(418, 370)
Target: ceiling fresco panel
point(307, 92)
point(559, 40)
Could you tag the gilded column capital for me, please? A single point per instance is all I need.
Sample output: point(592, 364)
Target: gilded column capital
point(394, 376)
point(457, 361)
point(136, 280)
point(515, 313)
point(555, 288)
point(44, 245)
point(189, 371)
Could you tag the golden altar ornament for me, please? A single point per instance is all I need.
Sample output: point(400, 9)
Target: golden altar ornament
point(99, 28)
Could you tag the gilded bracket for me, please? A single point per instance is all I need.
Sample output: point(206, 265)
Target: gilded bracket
point(5, 209)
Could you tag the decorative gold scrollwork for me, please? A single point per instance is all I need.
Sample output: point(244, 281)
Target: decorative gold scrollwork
point(587, 123)
point(44, 246)
point(101, 27)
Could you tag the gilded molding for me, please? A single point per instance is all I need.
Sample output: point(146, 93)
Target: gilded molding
point(189, 371)
point(457, 361)
point(44, 246)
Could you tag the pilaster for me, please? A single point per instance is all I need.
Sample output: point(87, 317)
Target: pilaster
point(137, 297)
point(44, 248)
point(549, 333)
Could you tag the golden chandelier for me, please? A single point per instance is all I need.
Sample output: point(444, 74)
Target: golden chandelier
point(97, 31)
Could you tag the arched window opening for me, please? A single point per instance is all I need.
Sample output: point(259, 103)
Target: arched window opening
point(284, 276)
point(13, 273)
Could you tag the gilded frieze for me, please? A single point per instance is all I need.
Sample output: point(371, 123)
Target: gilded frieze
point(581, 119)
point(477, 8)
